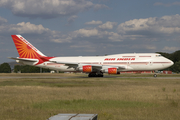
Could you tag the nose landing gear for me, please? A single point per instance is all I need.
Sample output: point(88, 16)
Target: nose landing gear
point(155, 75)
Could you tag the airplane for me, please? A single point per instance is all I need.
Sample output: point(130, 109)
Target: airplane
point(95, 66)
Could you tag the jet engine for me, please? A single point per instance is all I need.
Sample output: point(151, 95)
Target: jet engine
point(111, 71)
point(85, 68)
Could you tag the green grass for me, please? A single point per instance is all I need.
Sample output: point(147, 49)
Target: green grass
point(83, 104)
point(111, 98)
point(53, 82)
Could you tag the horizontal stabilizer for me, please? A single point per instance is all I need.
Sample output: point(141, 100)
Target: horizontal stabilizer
point(24, 59)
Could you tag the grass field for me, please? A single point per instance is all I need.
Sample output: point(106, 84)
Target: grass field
point(113, 98)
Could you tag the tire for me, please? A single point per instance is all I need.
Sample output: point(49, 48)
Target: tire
point(95, 75)
point(155, 75)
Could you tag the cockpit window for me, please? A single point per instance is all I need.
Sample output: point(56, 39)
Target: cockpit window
point(158, 55)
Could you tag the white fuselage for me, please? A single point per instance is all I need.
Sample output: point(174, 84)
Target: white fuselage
point(130, 62)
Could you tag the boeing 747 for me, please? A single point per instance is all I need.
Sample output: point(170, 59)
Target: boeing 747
point(95, 66)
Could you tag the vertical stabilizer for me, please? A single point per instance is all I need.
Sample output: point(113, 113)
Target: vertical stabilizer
point(26, 49)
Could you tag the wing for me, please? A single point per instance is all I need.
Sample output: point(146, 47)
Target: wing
point(95, 66)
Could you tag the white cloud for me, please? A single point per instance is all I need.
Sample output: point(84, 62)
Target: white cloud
point(61, 39)
point(151, 27)
point(136, 34)
point(86, 32)
point(108, 25)
point(47, 8)
point(23, 27)
point(171, 49)
point(115, 37)
point(93, 22)
point(43, 33)
point(96, 34)
point(90, 34)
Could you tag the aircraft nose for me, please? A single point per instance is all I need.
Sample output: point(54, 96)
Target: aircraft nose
point(172, 63)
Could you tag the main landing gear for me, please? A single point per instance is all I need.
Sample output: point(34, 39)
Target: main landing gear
point(94, 74)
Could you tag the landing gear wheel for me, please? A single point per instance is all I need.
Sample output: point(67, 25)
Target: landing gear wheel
point(94, 74)
point(155, 75)
point(99, 75)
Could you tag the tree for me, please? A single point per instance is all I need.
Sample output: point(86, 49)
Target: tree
point(17, 68)
point(5, 68)
point(176, 56)
point(29, 69)
point(176, 67)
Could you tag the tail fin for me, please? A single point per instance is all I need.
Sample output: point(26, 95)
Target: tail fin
point(26, 49)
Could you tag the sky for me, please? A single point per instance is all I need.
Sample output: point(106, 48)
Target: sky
point(90, 27)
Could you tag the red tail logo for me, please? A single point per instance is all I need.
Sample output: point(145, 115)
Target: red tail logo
point(27, 50)
point(24, 48)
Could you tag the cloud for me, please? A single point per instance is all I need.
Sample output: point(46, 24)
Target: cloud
point(171, 49)
point(95, 34)
point(167, 4)
point(166, 28)
point(85, 45)
point(108, 25)
point(115, 37)
point(86, 32)
point(151, 27)
point(93, 22)
point(100, 6)
point(48, 8)
point(150, 47)
point(137, 35)
point(92, 34)
point(2, 20)
point(71, 19)
point(23, 28)
point(39, 31)
point(60, 38)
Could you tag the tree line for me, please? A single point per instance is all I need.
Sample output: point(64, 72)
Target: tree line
point(5, 67)
point(29, 69)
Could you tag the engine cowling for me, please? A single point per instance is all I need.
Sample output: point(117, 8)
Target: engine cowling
point(86, 68)
point(112, 71)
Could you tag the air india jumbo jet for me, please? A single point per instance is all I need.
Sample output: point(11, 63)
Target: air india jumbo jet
point(95, 66)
